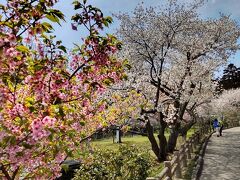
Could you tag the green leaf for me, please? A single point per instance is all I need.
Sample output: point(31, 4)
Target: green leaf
point(58, 42)
point(29, 100)
point(124, 77)
point(127, 64)
point(32, 109)
point(105, 23)
point(77, 5)
point(38, 67)
point(119, 45)
point(65, 167)
point(23, 49)
point(47, 27)
point(53, 18)
point(2, 6)
point(109, 19)
point(63, 48)
point(56, 13)
point(69, 153)
point(82, 123)
point(26, 145)
point(61, 112)
point(108, 81)
point(12, 140)
point(18, 154)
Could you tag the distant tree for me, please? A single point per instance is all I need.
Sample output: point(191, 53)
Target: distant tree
point(230, 78)
point(227, 104)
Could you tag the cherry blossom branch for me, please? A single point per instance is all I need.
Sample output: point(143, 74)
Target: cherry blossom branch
point(26, 28)
point(74, 73)
point(21, 10)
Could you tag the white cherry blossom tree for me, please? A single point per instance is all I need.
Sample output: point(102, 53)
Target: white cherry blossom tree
point(174, 52)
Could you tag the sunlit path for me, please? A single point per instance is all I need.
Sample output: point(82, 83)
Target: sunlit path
point(222, 157)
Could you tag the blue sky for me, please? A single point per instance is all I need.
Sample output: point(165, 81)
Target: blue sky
point(211, 9)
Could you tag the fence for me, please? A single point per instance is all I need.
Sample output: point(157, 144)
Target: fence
point(174, 168)
point(180, 159)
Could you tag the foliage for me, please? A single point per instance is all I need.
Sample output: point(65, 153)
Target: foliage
point(230, 78)
point(50, 95)
point(123, 107)
point(129, 162)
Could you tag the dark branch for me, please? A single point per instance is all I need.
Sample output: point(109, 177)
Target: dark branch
point(73, 74)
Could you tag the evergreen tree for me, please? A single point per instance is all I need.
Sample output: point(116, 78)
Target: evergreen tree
point(230, 78)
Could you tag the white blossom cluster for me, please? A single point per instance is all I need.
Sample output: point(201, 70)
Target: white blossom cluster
point(228, 101)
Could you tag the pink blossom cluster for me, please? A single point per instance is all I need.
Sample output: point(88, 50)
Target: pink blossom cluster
point(8, 40)
point(38, 127)
point(17, 110)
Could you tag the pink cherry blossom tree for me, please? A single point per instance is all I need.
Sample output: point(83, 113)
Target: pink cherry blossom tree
point(49, 95)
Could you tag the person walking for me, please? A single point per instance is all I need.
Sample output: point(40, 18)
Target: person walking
point(216, 126)
point(221, 127)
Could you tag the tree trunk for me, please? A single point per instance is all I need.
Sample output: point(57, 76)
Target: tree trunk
point(174, 132)
point(162, 140)
point(150, 134)
point(183, 131)
point(172, 141)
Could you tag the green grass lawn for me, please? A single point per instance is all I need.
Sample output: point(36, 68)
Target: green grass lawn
point(138, 140)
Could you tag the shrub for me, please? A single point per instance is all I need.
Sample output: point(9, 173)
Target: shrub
point(129, 162)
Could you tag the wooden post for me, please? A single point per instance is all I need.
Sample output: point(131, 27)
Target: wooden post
point(184, 159)
point(200, 134)
point(178, 168)
point(188, 152)
point(190, 145)
point(194, 141)
point(199, 137)
point(168, 165)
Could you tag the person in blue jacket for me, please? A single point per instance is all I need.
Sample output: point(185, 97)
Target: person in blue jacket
point(216, 126)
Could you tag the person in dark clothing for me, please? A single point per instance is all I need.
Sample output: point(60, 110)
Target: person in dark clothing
point(221, 127)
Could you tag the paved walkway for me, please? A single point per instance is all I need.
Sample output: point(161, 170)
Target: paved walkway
point(222, 156)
